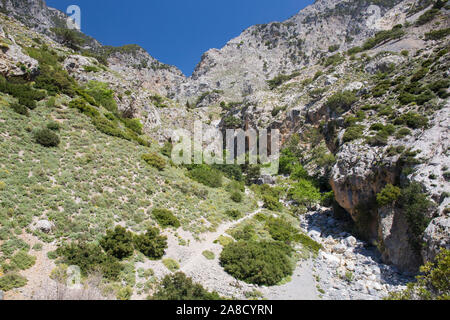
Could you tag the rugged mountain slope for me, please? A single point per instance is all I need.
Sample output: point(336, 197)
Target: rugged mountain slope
point(365, 112)
point(262, 52)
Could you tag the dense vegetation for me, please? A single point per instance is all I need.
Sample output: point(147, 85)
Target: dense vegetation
point(262, 263)
point(432, 284)
point(178, 287)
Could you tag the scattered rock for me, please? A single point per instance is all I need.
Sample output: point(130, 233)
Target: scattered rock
point(44, 226)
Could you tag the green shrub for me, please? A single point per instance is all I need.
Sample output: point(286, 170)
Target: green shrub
point(437, 34)
point(69, 37)
point(353, 133)
point(46, 138)
point(151, 244)
point(231, 171)
point(299, 172)
point(236, 197)
point(354, 50)
point(90, 257)
point(403, 132)
point(245, 233)
point(334, 60)
point(431, 284)
point(308, 243)
point(12, 281)
point(280, 79)
point(23, 92)
point(383, 36)
point(84, 108)
point(206, 175)
point(178, 287)
point(341, 101)
point(23, 261)
point(118, 243)
point(427, 17)
point(416, 207)
point(20, 109)
point(233, 214)
point(133, 124)
point(272, 203)
point(154, 160)
point(103, 95)
point(412, 120)
point(171, 264)
point(305, 193)
point(124, 293)
point(379, 139)
point(280, 230)
point(288, 160)
point(388, 196)
point(420, 74)
point(91, 69)
point(261, 263)
point(54, 126)
point(165, 218)
point(167, 149)
point(209, 255)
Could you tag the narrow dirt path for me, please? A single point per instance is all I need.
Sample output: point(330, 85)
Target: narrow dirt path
point(208, 242)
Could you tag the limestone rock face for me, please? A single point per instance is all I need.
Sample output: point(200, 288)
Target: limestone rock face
point(393, 234)
point(13, 62)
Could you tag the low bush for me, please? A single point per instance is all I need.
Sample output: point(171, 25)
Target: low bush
point(245, 233)
point(103, 95)
point(133, 124)
point(83, 107)
point(206, 175)
point(236, 197)
point(427, 17)
point(334, 60)
point(431, 284)
point(280, 79)
point(437, 34)
point(341, 101)
point(383, 36)
point(272, 203)
point(90, 257)
point(234, 214)
point(151, 244)
point(261, 263)
point(388, 196)
point(118, 243)
point(402, 133)
point(420, 74)
point(46, 138)
point(280, 230)
point(154, 160)
point(12, 281)
point(23, 261)
point(304, 193)
point(54, 126)
point(20, 109)
point(209, 255)
point(171, 264)
point(353, 133)
point(288, 160)
point(178, 287)
point(165, 218)
point(412, 120)
point(308, 243)
point(416, 207)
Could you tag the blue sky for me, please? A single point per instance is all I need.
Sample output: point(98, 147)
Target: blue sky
point(176, 32)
